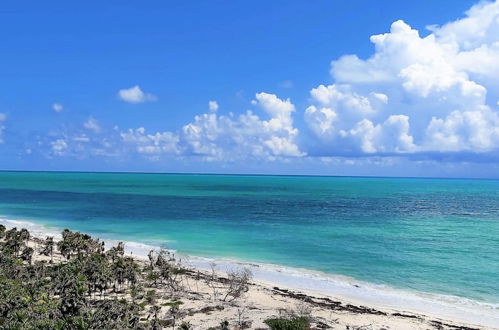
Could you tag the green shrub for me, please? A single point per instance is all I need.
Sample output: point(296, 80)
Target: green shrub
point(296, 323)
point(151, 297)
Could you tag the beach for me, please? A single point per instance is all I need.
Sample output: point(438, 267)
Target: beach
point(202, 305)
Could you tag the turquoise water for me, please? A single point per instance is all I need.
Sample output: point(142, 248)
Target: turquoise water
point(429, 235)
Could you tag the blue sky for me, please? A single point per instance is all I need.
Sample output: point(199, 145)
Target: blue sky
point(126, 86)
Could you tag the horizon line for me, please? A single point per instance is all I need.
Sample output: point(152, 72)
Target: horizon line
point(248, 174)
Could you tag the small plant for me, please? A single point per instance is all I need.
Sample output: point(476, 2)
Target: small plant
point(136, 292)
point(185, 326)
point(303, 309)
point(240, 317)
point(175, 311)
point(296, 323)
point(211, 281)
point(224, 325)
point(151, 297)
point(154, 313)
point(237, 283)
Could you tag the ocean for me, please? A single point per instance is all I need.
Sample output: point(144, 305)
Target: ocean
point(422, 244)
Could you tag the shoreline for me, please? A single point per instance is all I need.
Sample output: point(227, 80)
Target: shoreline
point(318, 297)
point(360, 293)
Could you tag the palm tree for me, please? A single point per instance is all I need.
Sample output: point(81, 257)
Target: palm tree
point(65, 245)
point(71, 286)
point(131, 270)
point(59, 295)
point(24, 235)
point(121, 249)
point(27, 254)
point(116, 252)
point(13, 240)
point(119, 272)
point(11, 233)
point(48, 248)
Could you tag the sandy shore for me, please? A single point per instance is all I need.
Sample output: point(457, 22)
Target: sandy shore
point(202, 305)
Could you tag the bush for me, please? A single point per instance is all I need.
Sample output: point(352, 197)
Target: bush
point(296, 323)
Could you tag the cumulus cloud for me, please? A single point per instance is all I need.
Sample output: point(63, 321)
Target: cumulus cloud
point(57, 107)
point(414, 94)
point(135, 95)
point(475, 131)
point(392, 136)
point(321, 121)
point(225, 137)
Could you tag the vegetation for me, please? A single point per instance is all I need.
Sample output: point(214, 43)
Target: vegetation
point(91, 288)
point(41, 295)
point(295, 323)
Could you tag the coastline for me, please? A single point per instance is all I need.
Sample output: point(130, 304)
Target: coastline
point(266, 292)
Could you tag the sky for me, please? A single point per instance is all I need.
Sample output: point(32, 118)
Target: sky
point(381, 88)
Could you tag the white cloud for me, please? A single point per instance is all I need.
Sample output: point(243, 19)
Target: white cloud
point(433, 92)
point(213, 106)
point(278, 110)
point(135, 95)
point(59, 147)
point(475, 131)
point(343, 99)
point(151, 144)
point(210, 136)
point(227, 138)
point(57, 107)
point(392, 136)
point(478, 28)
point(321, 121)
point(273, 105)
point(415, 93)
point(92, 124)
point(383, 98)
